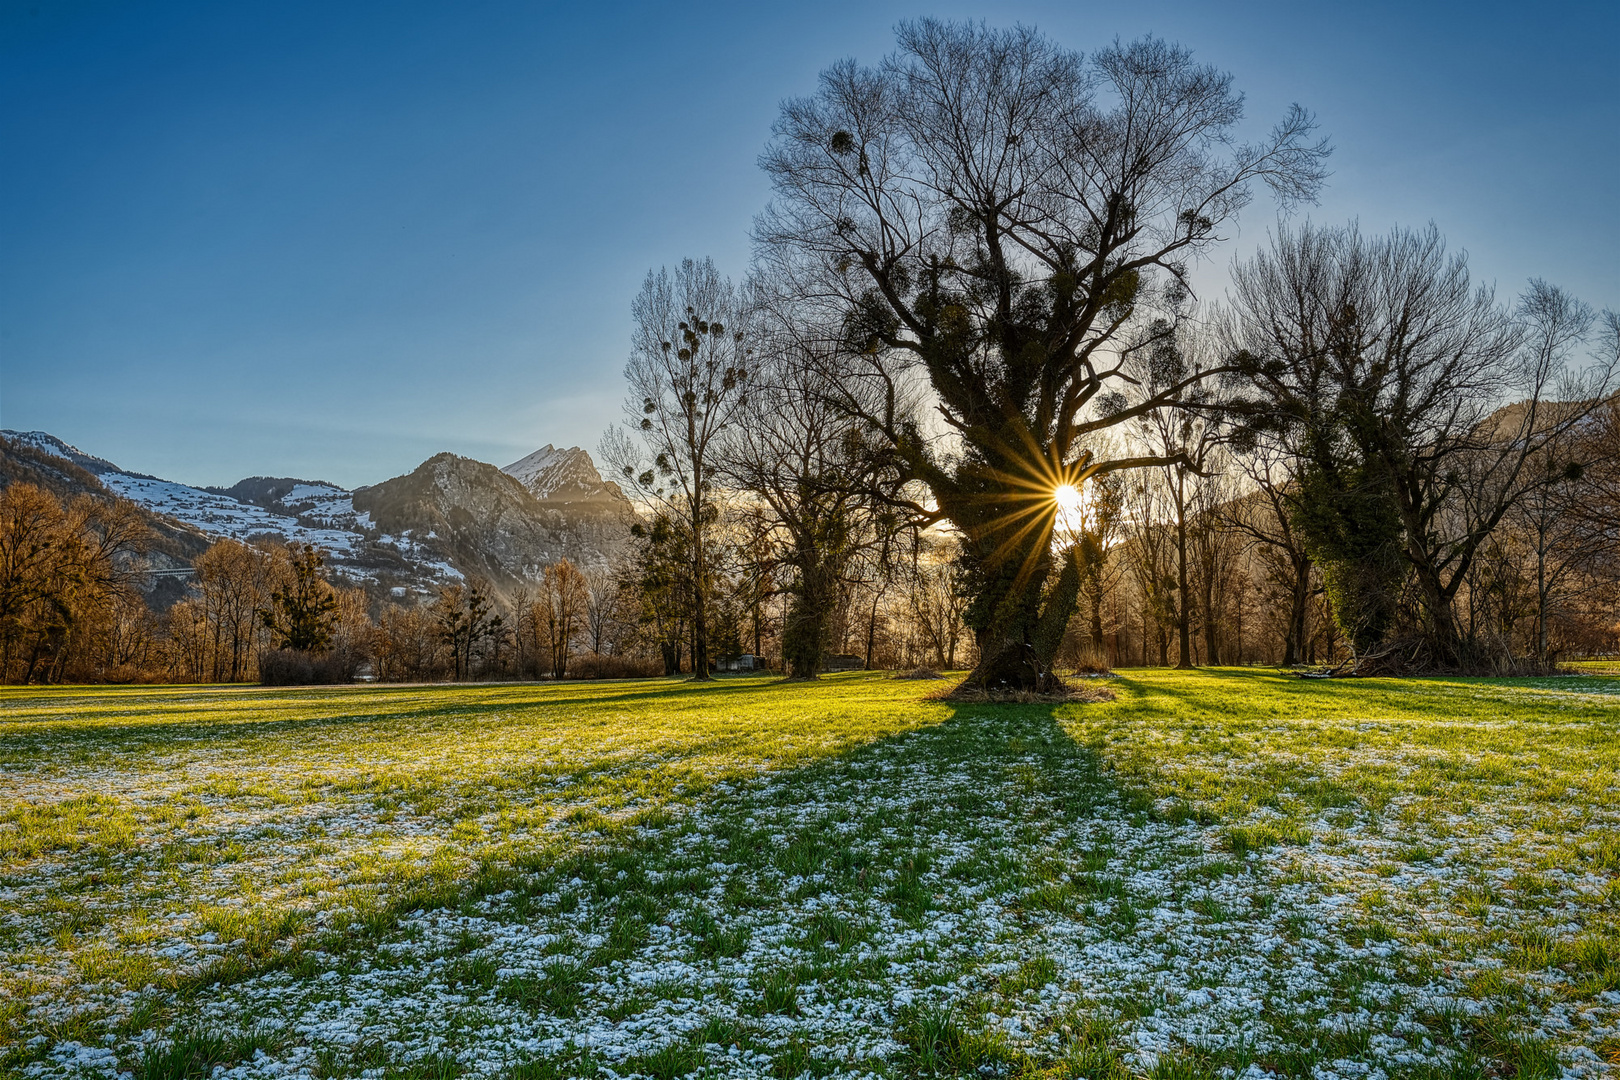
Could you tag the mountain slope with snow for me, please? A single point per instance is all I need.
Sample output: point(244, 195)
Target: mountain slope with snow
point(488, 521)
point(47, 443)
point(450, 518)
point(567, 477)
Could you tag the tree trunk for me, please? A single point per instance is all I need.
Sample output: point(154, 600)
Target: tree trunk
point(700, 617)
point(1294, 639)
point(1095, 590)
point(1212, 655)
point(1444, 639)
point(1542, 601)
point(804, 630)
point(1238, 612)
point(759, 604)
point(871, 627)
point(700, 639)
point(1183, 609)
point(1017, 616)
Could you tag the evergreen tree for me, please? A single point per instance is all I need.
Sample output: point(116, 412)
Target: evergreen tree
point(303, 613)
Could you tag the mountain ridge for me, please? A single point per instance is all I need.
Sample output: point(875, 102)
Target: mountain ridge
point(566, 476)
point(448, 519)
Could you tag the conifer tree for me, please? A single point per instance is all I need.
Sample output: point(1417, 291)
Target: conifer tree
point(303, 613)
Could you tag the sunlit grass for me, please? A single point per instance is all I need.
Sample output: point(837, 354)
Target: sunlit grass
point(761, 879)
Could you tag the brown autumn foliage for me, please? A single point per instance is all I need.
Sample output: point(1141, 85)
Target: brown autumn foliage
point(67, 572)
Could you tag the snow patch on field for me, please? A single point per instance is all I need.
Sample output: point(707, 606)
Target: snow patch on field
point(1012, 884)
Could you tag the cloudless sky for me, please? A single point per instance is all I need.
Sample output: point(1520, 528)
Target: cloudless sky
point(328, 240)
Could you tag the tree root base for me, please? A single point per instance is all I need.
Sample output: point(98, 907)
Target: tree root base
point(1065, 693)
point(1412, 656)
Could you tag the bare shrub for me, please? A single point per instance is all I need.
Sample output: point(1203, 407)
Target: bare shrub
point(613, 667)
point(290, 667)
point(1065, 693)
point(1092, 660)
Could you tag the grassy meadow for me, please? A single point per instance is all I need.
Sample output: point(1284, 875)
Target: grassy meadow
point(1224, 873)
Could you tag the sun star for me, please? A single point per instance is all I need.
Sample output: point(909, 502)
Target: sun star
point(1068, 498)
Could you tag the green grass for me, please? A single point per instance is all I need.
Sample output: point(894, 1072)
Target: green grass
point(750, 878)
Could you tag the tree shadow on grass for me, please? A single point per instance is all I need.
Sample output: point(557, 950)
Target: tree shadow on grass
point(999, 748)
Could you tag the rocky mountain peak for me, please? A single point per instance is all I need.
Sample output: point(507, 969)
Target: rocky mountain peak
point(566, 476)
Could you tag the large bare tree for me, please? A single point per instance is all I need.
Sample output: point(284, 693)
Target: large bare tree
point(991, 217)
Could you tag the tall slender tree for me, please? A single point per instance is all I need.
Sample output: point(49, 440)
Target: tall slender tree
point(560, 612)
point(689, 374)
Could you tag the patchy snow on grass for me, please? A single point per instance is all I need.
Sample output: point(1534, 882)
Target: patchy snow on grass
point(657, 880)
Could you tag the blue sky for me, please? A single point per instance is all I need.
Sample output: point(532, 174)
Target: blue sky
point(330, 240)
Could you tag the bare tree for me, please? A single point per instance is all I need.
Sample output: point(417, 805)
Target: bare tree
point(560, 612)
point(1183, 436)
point(1093, 521)
point(757, 564)
point(1599, 510)
point(1414, 390)
point(1561, 518)
point(989, 214)
point(689, 375)
point(802, 455)
point(1151, 561)
point(601, 609)
point(409, 644)
point(934, 598)
point(235, 582)
point(466, 618)
point(1214, 548)
point(1265, 516)
point(59, 565)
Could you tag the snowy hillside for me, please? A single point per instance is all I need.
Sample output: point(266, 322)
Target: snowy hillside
point(221, 515)
point(450, 518)
point(310, 513)
point(314, 501)
point(50, 444)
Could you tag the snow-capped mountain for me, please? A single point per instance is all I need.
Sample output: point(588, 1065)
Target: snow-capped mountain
point(558, 476)
point(489, 523)
point(450, 518)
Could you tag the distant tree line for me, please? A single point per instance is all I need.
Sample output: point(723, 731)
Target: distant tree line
point(72, 575)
